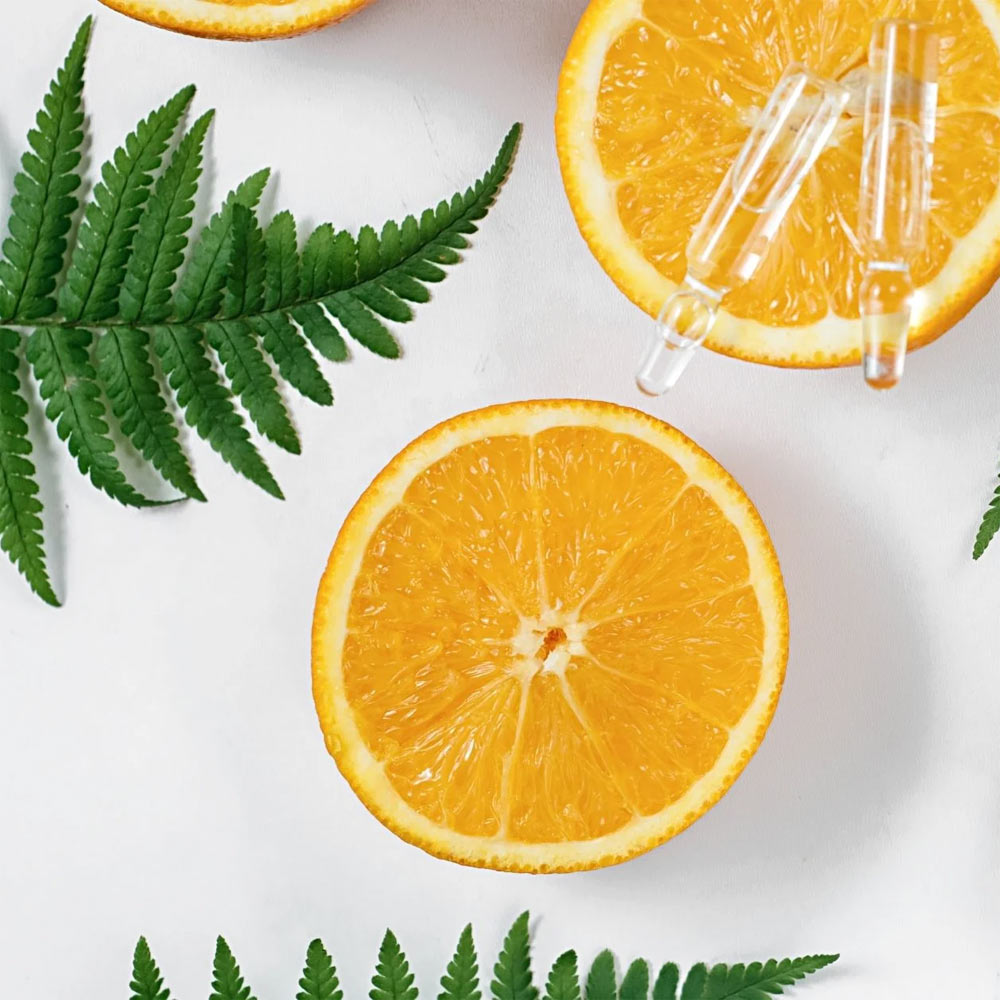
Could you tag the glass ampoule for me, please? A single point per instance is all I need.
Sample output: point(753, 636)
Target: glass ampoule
point(895, 188)
point(739, 225)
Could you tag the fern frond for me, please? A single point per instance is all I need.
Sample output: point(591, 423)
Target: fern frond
point(667, 980)
point(602, 984)
point(564, 978)
point(227, 980)
point(199, 294)
point(694, 984)
point(512, 976)
point(758, 980)
point(162, 235)
point(461, 981)
point(44, 199)
point(251, 379)
point(60, 360)
point(989, 526)
point(291, 354)
point(635, 982)
point(207, 404)
point(147, 983)
point(320, 332)
point(393, 979)
point(319, 977)
point(121, 359)
point(20, 507)
point(97, 266)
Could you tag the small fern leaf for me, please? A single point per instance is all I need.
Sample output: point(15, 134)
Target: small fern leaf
point(227, 980)
point(207, 403)
point(251, 379)
point(93, 283)
point(602, 983)
point(635, 982)
point(147, 983)
point(291, 354)
point(162, 236)
point(282, 262)
point(319, 977)
point(393, 979)
point(461, 981)
point(245, 274)
point(200, 291)
point(136, 397)
point(667, 980)
point(989, 527)
point(564, 978)
point(20, 507)
point(758, 981)
point(329, 262)
point(694, 984)
point(45, 199)
point(512, 977)
point(320, 332)
point(362, 325)
point(60, 360)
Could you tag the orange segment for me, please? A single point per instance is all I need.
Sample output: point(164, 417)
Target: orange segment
point(549, 637)
point(655, 99)
point(244, 20)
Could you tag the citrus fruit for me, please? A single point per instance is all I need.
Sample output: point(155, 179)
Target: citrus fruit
point(655, 99)
point(549, 637)
point(238, 19)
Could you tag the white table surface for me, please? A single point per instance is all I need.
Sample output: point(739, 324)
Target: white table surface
point(161, 769)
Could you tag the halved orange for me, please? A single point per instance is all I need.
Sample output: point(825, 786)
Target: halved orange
point(240, 20)
point(549, 637)
point(655, 99)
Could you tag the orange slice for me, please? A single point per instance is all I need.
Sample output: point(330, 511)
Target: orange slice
point(549, 637)
point(242, 20)
point(655, 98)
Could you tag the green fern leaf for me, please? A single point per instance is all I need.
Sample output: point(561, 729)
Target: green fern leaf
point(162, 235)
point(291, 353)
point(282, 267)
point(393, 979)
point(44, 199)
point(245, 275)
point(758, 981)
point(320, 332)
point(147, 983)
point(602, 983)
point(635, 982)
point(227, 980)
point(667, 980)
point(20, 507)
point(461, 981)
point(512, 977)
point(564, 978)
point(319, 977)
point(207, 404)
point(989, 527)
point(200, 291)
point(251, 379)
point(60, 360)
point(97, 267)
point(694, 984)
point(362, 325)
point(136, 397)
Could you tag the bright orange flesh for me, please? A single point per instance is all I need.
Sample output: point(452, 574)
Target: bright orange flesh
point(681, 84)
point(551, 635)
point(238, 20)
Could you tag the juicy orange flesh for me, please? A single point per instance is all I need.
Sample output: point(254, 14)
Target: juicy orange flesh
point(551, 636)
point(681, 86)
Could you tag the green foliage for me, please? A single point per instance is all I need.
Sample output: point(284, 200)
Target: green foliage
point(393, 979)
point(989, 527)
point(115, 323)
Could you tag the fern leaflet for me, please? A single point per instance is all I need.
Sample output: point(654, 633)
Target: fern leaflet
point(319, 977)
point(393, 979)
point(564, 978)
point(147, 983)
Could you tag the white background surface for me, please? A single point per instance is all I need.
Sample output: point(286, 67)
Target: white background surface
point(161, 769)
